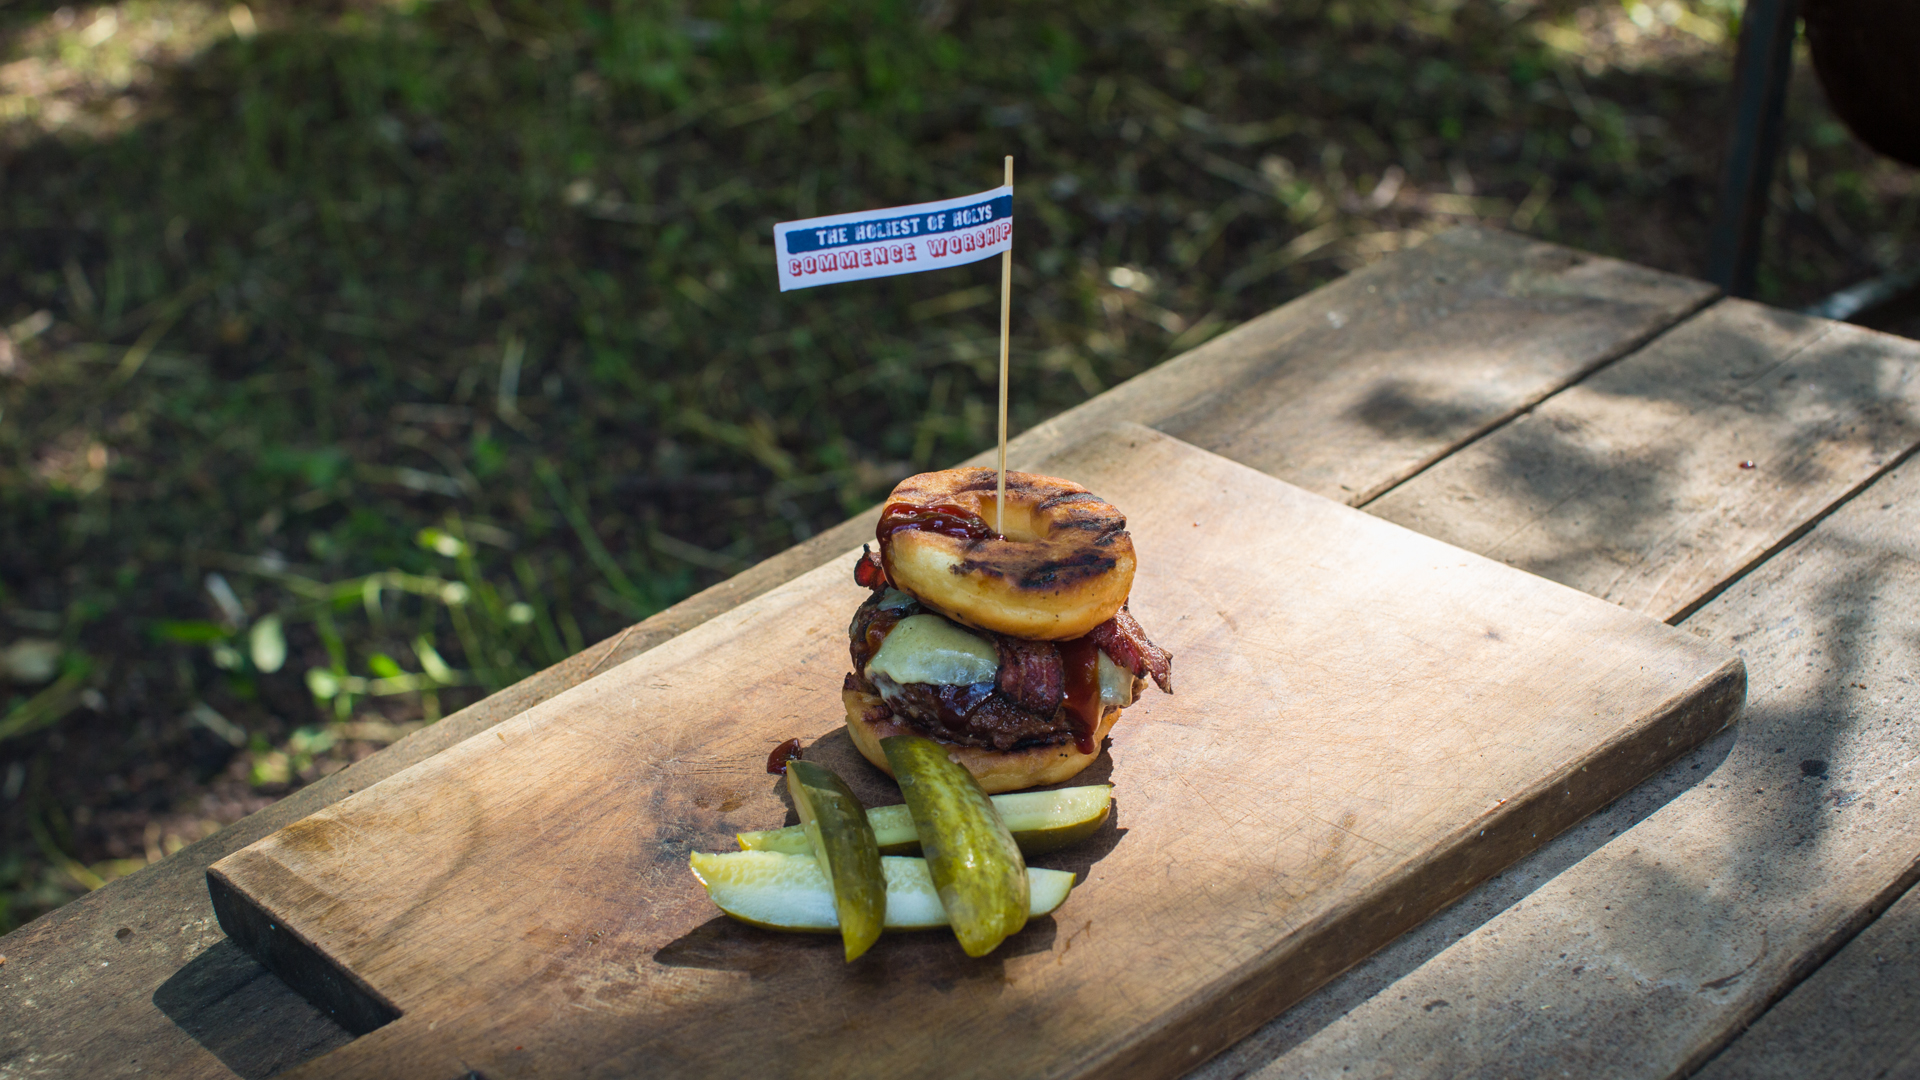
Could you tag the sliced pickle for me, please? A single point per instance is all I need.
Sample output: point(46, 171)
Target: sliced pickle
point(1040, 821)
point(892, 831)
point(976, 866)
point(777, 891)
point(842, 842)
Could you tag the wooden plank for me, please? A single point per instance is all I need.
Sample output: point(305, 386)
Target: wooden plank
point(1854, 1017)
point(137, 978)
point(1648, 955)
point(56, 1001)
point(1368, 723)
point(1672, 471)
point(1358, 385)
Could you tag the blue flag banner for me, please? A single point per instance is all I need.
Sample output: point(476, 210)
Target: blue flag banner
point(899, 240)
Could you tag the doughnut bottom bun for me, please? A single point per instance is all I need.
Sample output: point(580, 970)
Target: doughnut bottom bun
point(997, 770)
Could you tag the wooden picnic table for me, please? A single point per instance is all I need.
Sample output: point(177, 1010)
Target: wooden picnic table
point(1729, 468)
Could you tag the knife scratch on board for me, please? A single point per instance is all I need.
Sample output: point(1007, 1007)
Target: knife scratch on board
point(1351, 832)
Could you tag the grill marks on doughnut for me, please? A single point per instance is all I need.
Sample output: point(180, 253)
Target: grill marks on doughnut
point(1060, 561)
point(1077, 512)
point(914, 491)
point(1043, 575)
point(1083, 511)
point(1028, 567)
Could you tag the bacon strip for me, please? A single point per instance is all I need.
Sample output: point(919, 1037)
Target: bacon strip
point(1126, 644)
point(1029, 702)
point(1030, 674)
point(869, 573)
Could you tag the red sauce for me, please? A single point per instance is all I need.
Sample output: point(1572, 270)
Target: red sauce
point(1080, 659)
point(945, 520)
point(785, 752)
point(873, 636)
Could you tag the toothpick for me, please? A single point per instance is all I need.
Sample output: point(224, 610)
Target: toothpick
point(1006, 316)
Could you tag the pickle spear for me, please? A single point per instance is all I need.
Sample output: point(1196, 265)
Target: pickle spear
point(1040, 821)
point(842, 842)
point(976, 867)
point(776, 891)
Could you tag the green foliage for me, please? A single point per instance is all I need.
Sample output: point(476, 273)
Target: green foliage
point(444, 335)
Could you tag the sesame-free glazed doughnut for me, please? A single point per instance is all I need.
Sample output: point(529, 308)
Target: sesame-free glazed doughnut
point(1061, 565)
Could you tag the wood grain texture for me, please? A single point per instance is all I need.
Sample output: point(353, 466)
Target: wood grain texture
point(1663, 476)
point(63, 1012)
point(1356, 386)
point(1650, 954)
point(1369, 723)
point(137, 978)
point(1859, 1015)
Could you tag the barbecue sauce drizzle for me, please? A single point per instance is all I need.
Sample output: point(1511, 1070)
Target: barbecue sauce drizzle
point(782, 754)
point(1080, 659)
point(878, 627)
point(944, 519)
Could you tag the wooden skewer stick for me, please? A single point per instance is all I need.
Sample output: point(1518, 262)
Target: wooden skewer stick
point(1006, 317)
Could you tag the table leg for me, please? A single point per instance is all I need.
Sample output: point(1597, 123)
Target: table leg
point(1760, 95)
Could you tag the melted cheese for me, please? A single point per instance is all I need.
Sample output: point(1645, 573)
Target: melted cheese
point(929, 649)
point(894, 600)
point(1116, 683)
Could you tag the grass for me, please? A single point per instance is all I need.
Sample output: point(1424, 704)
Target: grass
point(363, 359)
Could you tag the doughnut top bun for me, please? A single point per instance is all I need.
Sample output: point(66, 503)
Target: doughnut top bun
point(1061, 565)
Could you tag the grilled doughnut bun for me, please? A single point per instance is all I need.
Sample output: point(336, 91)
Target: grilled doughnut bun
point(1062, 565)
point(869, 720)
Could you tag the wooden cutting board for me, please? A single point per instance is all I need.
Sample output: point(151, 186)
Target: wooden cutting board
point(1367, 723)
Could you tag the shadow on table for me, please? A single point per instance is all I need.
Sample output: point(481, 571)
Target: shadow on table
point(722, 944)
point(1360, 983)
point(244, 1015)
point(1824, 625)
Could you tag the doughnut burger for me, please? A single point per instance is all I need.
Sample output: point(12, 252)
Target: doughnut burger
point(1016, 647)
